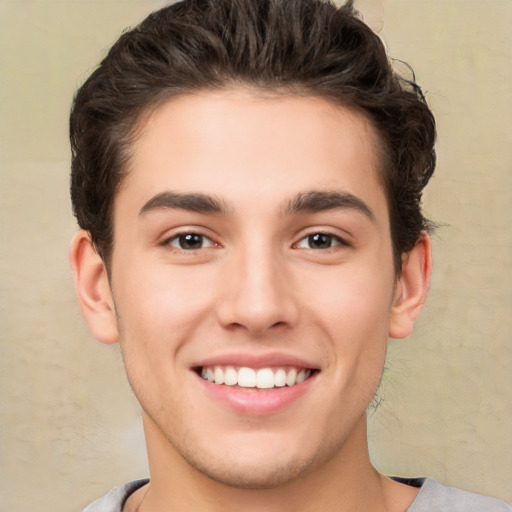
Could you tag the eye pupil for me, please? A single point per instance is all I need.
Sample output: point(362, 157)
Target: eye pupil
point(320, 241)
point(190, 241)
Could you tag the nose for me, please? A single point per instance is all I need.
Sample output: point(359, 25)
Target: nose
point(259, 294)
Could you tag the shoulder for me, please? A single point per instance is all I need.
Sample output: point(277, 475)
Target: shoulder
point(115, 499)
point(434, 496)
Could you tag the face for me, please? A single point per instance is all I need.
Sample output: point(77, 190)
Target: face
point(253, 282)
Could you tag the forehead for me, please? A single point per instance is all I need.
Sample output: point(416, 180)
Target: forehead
point(245, 146)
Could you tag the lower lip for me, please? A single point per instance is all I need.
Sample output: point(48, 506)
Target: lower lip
point(257, 402)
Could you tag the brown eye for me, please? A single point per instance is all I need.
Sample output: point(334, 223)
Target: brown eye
point(319, 241)
point(190, 241)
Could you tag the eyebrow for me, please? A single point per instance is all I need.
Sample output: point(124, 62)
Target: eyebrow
point(318, 201)
point(200, 203)
point(310, 201)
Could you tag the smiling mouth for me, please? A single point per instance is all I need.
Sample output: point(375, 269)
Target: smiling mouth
point(261, 378)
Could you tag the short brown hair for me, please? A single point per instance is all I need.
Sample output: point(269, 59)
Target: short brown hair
point(306, 47)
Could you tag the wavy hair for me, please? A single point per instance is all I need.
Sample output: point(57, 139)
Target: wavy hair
point(307, 47)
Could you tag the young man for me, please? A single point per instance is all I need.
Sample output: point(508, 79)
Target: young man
point(247, 175)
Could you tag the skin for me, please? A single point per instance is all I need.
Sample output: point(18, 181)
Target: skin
point(255, 285)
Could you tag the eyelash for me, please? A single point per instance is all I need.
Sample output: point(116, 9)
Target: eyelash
point(336, 239)
point(179, 238)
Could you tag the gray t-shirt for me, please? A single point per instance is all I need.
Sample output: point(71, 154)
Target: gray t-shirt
point(433, 497)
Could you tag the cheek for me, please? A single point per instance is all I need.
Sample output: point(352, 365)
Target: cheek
point(352, 301)
point(353, 310)
point(167, 300)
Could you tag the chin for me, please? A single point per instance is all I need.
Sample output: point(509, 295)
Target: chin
point(265, 461)
point(261, 475)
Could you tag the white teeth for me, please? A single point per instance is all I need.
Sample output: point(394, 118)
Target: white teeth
point(262, 378)
point(265, 378)
point(291, 377)
point(230, 376)
point(219, 375)
point(301, 376)
point(280, 378)
point(246, 378)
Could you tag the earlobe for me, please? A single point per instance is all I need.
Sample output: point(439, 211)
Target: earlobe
point(411, 288)
point(93, 288)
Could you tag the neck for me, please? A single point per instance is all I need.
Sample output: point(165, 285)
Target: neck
point(347, 482)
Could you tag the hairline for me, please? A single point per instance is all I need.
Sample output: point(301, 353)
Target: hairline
point(140, 119)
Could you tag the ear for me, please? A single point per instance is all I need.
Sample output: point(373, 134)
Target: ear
point(411, 288)
point(93, 288)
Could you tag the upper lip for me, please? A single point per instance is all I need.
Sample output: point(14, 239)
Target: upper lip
point(273, 359)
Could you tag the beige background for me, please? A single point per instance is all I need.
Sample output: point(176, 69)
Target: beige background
point(69, 426)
